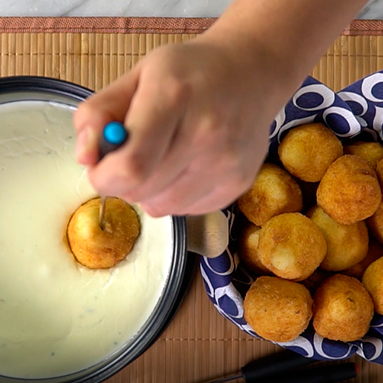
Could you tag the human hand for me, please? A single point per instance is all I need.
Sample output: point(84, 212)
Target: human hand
point(198, 116)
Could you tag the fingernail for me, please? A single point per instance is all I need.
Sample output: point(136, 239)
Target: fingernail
point(86, 144)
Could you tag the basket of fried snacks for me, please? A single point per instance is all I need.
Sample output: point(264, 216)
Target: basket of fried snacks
point(304, 264)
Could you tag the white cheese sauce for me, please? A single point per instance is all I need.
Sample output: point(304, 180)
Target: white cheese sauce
point(56, 316)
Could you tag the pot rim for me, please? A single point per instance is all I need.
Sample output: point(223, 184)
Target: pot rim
point(182, 267)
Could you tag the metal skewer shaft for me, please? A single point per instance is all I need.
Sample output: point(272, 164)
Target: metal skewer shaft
point(102, 212)
point(113, 136)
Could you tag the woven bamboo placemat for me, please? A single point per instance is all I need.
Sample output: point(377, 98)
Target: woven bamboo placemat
point(95, 59)
point(199, 344)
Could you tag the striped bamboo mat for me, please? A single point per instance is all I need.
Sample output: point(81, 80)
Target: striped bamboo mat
point(199, 344)
point(95, 59)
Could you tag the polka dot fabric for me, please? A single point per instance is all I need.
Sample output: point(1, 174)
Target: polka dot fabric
point(356, 110)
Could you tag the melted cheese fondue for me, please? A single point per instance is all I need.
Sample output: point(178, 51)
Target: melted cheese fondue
point(57, 317)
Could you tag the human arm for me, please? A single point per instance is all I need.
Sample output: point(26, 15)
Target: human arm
point(198, 113)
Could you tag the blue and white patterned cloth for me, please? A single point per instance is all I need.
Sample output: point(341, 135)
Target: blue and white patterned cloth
point(357, 109)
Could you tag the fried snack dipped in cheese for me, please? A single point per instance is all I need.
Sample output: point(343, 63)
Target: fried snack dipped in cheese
point(276, 309)
point(347, 245)
point(308, 150)
point(349, 191)
point(343, 309)
point(274, 191)
point(98, 248)
point(373, 282)
point(291, 246)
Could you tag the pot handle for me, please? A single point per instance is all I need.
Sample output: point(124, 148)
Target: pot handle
point(208, 234)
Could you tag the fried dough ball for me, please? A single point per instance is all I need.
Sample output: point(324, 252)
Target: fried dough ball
point(370, 151)
point(349, 191)
point(248, 249)
point(96, 248)
point(343, 309)
point(346, 244)
point(373, 282)
point(308, 150)
point(276, 309)
point(274, 191)
point(291, 246)
point(375, 224)
point(375, 251)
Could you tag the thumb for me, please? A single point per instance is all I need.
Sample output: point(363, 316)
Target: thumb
point(109, 104)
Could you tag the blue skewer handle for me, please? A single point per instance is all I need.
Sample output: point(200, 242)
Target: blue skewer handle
point(113, 137)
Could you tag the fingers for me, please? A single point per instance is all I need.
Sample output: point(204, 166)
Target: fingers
point(153, 119)
point(219, 198)
point(203, 187)
point(110, 104)
point(174, 199)
point(211, 180)
point(184, 197)
point(167, 169)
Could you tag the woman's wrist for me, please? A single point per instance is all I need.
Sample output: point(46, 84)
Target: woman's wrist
point(282, 42)
point(261, 67)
